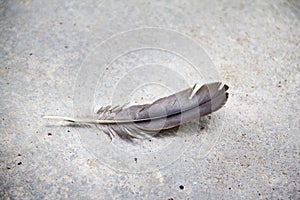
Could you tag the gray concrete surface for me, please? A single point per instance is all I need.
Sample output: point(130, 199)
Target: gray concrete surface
point(254, 138)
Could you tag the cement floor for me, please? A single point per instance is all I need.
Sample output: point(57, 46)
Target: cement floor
point(247, 150)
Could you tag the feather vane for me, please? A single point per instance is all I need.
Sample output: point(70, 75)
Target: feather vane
point(139, 121)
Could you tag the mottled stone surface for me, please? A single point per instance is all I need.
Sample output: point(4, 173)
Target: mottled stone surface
point(247, 150)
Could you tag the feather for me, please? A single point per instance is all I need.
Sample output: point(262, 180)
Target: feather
point(138, 121)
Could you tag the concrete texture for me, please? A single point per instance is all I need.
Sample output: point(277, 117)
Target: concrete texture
point(247, 150)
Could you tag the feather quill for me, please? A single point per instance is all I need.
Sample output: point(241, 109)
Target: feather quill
point(146, 120)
